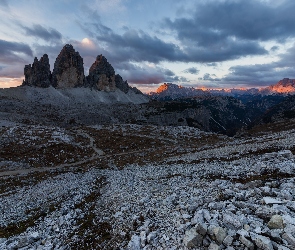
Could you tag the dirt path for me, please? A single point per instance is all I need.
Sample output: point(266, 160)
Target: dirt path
point(98, 154)
point(91, 144)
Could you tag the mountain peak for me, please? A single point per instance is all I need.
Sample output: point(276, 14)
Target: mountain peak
point(284, 86)
point(68, 72)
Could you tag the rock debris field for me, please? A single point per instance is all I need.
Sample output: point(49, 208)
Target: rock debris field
point(167, 188)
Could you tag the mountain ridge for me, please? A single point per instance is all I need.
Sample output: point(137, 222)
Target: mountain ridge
point(171, 91)
point(68, 72)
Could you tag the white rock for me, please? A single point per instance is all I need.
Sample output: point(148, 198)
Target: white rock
point(134, 243)
point(289, 238)
point(2, 240)
point(228, 240)
point(262, 241)
point(213, 246)
point(201, 228)
point(218, 234)
point(151, 237)
point(288, 219)
point(276, 222)
point(231, 220)
point(246, 242)
point(143, 238)
point(192, 238)
point(280, 247)
point(270, 200)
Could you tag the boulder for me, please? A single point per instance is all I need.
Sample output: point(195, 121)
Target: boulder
point(192, 238)
point(262, 241)
point(217, 234)
point(246, 242)
point(289, 238)
point(276, 222)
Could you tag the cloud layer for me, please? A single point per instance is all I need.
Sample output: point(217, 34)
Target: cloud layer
point(200, 36)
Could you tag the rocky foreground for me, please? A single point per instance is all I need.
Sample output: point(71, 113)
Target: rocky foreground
point(165, 188)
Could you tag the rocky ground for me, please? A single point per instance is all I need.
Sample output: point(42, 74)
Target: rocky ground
point(145, 187)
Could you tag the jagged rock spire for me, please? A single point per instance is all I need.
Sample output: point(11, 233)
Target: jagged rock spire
point(102, 75)
point(38, 74)
point(68, 69)
point(68, 72)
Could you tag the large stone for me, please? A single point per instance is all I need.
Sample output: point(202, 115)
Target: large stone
point(276, 222)
point(213, 246)
point(232, 221)
point(247, 242)
point(201, 228)
point(262, 241)
point(102, 75)
point(68, 69)
point(134, 243)
point(265, 212)
point(289, 238)
point(217, 234)
point(192, 238)
point(270, 200)
point(38, 74)
point(228, 240)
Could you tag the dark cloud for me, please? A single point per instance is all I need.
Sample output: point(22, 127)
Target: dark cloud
point(225, 30)
point(252, 20)
point(192, 70)
point(264, 74)
point(179, 79)
point(47, 34)
point(200, 42)
point(209, 77)
point(213, 64)
point(12, 71)
point(258, 74)
point(135, 74)
point(132, 45)
point(274, 48)
point(3, 3)
point(9, 52)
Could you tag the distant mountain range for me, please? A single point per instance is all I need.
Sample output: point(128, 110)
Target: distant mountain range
point(170, 91)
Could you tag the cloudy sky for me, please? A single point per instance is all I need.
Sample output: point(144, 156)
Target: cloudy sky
point(204, 43)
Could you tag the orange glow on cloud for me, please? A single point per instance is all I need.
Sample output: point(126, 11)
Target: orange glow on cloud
point(86, 42)
point(10, 82)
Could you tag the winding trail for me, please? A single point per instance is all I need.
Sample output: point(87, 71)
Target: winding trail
point(99, 154)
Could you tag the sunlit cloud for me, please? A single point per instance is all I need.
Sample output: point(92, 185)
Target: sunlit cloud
point(10, 82)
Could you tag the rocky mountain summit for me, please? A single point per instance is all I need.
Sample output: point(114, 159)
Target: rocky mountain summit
point(101, 75)
point(286, 86)
point(68, 69)
point(68, 72)
point(170, 91)
point(38, 74)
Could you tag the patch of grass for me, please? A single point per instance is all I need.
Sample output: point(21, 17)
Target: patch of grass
point(21, 226)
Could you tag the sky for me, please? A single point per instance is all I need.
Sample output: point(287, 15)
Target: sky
point(204, 43)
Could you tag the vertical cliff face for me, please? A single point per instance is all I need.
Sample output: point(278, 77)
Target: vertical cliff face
point(121, 84)
point(38, 74)
point(102, 75)
point(68, 72)
point(68, 69)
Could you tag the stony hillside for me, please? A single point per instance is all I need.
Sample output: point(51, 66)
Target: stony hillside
point(145, 187)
